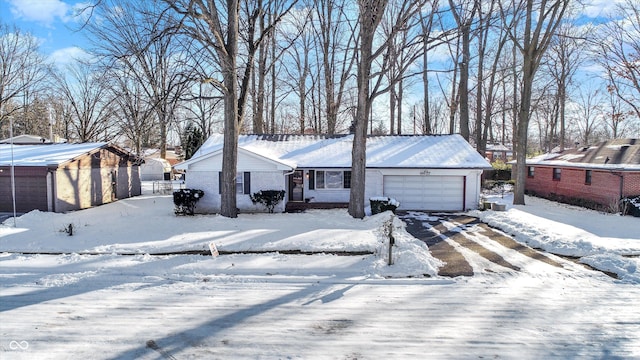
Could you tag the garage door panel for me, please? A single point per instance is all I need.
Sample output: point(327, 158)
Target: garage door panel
point(444, 193)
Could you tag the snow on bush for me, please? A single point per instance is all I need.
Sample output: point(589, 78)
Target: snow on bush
point(381, 204)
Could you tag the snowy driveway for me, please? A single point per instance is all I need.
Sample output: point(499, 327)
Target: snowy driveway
point(460, 241)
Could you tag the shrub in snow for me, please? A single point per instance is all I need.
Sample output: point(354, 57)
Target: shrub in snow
point(185, 200)
point(381, 204)
point(631, 206)
point(268, 198)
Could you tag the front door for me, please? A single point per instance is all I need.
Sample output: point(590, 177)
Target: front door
point(296, 186)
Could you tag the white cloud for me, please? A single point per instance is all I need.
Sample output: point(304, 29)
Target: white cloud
point(598, 8)
point(68, 55)
point(41, 11)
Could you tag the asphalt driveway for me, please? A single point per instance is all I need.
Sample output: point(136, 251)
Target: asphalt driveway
point(449, 235)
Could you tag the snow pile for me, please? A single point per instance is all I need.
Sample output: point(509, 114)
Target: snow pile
point(410, 256)
point(607, 242)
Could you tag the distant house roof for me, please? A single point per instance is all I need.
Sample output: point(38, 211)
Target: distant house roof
point(497, 147)
point(26, 139)
point(618, 154)
point(47, 155)
point(334, 151)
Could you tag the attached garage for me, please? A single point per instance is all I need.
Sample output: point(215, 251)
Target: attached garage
point(434, 193)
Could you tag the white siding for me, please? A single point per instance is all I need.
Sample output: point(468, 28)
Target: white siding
point(207, 181)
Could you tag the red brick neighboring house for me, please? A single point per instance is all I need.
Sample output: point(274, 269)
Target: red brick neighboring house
point(65, 177)
point(593, 176)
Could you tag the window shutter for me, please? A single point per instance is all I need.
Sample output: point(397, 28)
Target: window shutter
point(247, 182)
point(219, 182)
point(312, 179)
point(346, 179)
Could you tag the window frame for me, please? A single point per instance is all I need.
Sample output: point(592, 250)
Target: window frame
point(531, 171)
point(557, 174)
point(243, 178)
point(318, 179)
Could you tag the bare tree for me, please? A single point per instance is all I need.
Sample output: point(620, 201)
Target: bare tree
point(336, 37)
point(23, 70)
point(566, 56)
point(140, 37)
point(588, 115)
point(85, 89)
point(618, 51)
point(464, 16)
point(538, 20)
point(370, 16)
point(216, 27)
point(135, 115)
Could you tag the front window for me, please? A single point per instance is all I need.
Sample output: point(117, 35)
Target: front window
point(557, 174)
point(587, 177)
point(332, 179)
point(531, 171)
point(239, 183)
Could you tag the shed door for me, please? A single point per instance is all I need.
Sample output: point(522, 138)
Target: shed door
point(437, 193)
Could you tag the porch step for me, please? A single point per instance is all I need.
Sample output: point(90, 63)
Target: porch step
point(299, 206)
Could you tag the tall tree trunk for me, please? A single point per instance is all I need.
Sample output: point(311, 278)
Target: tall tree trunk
point(425, 88)
point(464, 83)
point(258, 115)
point(370, 16)
point(228, 64)
point(399, 103)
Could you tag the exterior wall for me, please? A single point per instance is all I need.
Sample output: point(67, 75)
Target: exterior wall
point(375, 184)
point(89, 181)
point(603, 190)
point(207, 181)
point(325, 195)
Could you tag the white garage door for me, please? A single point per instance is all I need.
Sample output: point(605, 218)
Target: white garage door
point(444, 193)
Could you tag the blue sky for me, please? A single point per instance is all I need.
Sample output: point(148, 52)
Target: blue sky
point(51, 21)
point(54, 23)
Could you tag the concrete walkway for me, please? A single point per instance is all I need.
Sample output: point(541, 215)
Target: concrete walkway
point(446, 234)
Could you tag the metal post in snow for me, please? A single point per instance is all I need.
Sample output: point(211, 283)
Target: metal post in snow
point(13, 176)
point(391, 242)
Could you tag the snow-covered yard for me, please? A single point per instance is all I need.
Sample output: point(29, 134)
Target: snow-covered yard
point(94, 302)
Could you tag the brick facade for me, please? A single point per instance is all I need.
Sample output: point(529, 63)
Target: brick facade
point(604, 189)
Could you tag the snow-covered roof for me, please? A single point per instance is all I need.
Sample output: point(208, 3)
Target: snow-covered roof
point(44, 155)
point(618, 154)
point(497, 147)
point(25, 139)
point(334, 151)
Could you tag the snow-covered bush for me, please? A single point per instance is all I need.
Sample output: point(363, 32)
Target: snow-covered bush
point(185, 200)
point(631, 206)
point(381, 204)
point(268, 198)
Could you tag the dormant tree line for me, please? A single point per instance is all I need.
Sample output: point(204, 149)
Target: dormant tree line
point(493, 71)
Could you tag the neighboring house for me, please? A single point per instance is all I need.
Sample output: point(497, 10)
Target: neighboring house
point(498, 152)
point(26, 140)
point(155, 169)
point(64, 177)
point(437, 172)
point(593, 176)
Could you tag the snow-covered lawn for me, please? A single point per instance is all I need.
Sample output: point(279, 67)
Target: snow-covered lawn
point(275, 306)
